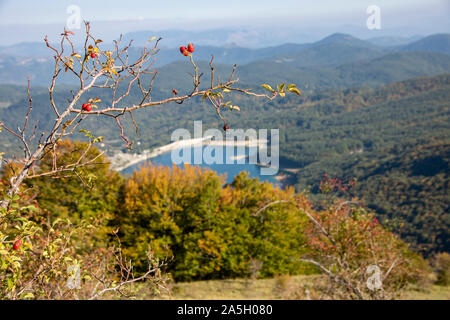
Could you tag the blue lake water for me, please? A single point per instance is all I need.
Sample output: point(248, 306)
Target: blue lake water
point(228, 155)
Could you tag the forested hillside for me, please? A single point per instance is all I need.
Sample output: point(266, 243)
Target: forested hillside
point(353, 119)
point(394, 140)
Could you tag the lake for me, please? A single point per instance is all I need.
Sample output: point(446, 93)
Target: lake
point(229, 155)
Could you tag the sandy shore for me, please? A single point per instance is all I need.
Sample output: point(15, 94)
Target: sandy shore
point(121, 160)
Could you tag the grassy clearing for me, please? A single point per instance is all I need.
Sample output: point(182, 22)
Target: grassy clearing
point(433, 293)
point(282, 287)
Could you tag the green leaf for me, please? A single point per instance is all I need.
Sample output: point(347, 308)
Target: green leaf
point(57, 220)
point(31, 208)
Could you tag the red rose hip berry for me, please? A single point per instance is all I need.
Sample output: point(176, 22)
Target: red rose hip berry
point(86, 107)
point(226, 127)
point(190, 47)
point(93, 55)
point(183, 49)
point(17, 244)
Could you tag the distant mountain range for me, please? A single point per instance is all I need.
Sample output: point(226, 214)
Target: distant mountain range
point(34, 59)
point(436, 43)
point(391, 41)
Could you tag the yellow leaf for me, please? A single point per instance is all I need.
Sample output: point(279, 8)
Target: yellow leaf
point(295, 90)
point(267, 87)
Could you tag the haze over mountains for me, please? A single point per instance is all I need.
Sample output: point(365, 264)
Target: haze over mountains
point(34, 59)
point(437, 42)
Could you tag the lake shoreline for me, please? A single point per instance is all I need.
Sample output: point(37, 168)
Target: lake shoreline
point(121, 160)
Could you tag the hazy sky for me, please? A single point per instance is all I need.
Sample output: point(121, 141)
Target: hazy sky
point(24, 20)
point(51, 11)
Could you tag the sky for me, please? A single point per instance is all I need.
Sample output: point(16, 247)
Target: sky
point(22, 20)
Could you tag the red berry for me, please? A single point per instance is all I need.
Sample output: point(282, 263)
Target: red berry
point(226, 127)
point(93, 55)
point(190, 47)
point(17, 244)
point(86, 107)
point(186, 53)
point(183, 49)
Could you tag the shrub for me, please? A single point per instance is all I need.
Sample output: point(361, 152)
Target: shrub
point(212, 230)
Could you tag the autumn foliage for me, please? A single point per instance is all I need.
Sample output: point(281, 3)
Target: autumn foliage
point(190, 219)
point(365, 260)
point(211, 229)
